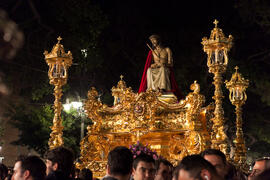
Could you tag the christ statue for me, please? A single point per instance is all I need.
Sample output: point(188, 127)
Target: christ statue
point(158, 74)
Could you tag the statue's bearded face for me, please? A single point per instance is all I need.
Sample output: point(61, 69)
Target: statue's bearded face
point(154, 41)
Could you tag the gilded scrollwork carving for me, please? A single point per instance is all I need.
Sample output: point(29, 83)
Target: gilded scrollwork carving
point(143, 117)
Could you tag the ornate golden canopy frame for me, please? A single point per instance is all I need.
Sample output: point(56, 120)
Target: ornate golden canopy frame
point(173, 128)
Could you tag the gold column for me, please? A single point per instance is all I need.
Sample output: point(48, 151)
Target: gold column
point(237, 87)
point(58, 62)
point(216, 48)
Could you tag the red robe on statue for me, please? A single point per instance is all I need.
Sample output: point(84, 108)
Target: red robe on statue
point(143, 85)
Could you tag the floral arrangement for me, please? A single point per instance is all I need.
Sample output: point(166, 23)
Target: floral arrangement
point(139, 148)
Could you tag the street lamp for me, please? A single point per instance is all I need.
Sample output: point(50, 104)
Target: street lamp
point(79, 107)
point(237, 87)
point(58, 62)
point(74, 105)
point(216, 48)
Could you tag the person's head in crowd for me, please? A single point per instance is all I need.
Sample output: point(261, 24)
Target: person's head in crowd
point(235, 173)
point(3, 171)
point(59, 160)
point(265, 175)
point(119, 165)
point(10, 173)
point(175, 173)
point(76, 173)
point(143, 167)
point(195, 167)
point(259, 166)
point(217, 159)
point(29, 168)
point(85, 174)
point(9, 177)
point(163, 169)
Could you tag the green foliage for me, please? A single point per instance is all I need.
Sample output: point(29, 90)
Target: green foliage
point(80, 24)
point(44, 89)
point(83, 22)
point(34, 124)
point(258, 150)
point(256, 12)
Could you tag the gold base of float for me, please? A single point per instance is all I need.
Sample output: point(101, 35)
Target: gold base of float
point(173, 129)
point(168, 98)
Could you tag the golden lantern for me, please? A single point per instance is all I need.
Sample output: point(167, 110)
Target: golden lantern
point(116, 91)
point(58, 62)
point(237, 87)
point(216, 48)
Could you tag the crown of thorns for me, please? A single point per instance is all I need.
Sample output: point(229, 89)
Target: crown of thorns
point(154, 36)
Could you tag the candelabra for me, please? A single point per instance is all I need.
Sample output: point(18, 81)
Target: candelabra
point(58, 62)
point(216, 48)
point(237, 87)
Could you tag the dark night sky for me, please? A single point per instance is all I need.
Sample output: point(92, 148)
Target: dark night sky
point(143, 18)
point(181, 24)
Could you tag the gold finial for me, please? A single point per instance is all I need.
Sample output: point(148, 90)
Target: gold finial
point(59, 39)
point(236, 68)
point(216, 22)
point(121, 77)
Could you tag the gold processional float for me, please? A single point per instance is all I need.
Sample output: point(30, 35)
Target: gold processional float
point(173, 129)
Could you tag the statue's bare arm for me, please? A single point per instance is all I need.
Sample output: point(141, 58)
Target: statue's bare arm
point(170, 58)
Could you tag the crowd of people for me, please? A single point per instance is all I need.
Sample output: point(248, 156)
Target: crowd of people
point(211, 164)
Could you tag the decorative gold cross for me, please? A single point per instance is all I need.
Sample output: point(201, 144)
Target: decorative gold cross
point(236, 68)
point(59, 39)
point(216, 22)
point(121, 77)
